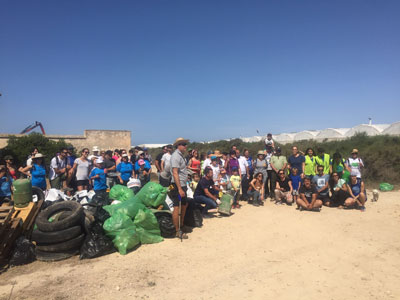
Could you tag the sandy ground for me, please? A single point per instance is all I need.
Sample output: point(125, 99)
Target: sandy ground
point(270, 252)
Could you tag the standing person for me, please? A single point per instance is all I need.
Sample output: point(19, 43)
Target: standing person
point(269, 189)
point(179, 185)
point(95, 154)
point(125, 169)
point(207, 161)
point(98, 176)
point(59, 169)
point(296, 183)
point(205, 192)
point(157, 162)
point(37, 170)
point(340, 194)
point(256, 189)
point(338, 164)
point(323, 159)
point(235, 181)
point(355, 164)
point(215, 168)
point(5, 185)
point(278, 162)
point(116, 155)
point(147, 155)
point(308, 197)
point(11, 168)
point(81, 169)
point(122, 152)
point(310, 163)
point(232, 162)
point(284, 189)
point(71, 181)
point(296, 161)
point(34, 151)
point(261, 165)
point(321, 182)
point(269, 142)
point(109, 168)
point(244, 171)
point(356, 189)
point(166, 174)
point(194, 162)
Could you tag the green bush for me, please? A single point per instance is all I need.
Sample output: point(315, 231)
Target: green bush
point(20, 147)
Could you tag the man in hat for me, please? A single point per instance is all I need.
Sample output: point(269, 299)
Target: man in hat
point(355, 164)
point(179, 184)
point(95, 154)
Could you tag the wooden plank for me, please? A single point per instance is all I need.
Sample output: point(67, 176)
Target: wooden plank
point(29, 228)
point(11, 235)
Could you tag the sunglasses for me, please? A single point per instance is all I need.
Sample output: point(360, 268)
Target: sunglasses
point(86, 152)
point(183, 144)
point(281, 173)
point(65, 152)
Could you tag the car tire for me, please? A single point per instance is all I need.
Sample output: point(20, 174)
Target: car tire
point(72, 244)
point(38, 192)
point(50, 256)
point(75, 218)
point(47, 238)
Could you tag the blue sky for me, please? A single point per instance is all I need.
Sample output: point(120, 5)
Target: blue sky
point(205, 70)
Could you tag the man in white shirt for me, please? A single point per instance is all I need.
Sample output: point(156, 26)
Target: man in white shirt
point(244, 172)
point(59, 169)
point(165, 174)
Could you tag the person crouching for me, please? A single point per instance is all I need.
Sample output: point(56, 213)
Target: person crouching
point(206, 192)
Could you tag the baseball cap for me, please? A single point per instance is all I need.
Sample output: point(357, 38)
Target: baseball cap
point(141, 162)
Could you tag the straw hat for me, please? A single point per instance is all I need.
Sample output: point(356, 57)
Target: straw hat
point(354, 151)
point(180, 140)
point(217, 153)
point(38, 155)
point(260, 153)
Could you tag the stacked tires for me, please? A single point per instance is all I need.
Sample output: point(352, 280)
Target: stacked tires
point(59, 234)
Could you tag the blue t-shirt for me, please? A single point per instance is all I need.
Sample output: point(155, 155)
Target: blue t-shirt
point(147, 165)
point(320, 182)
point(38, 173)
point(125, 168)
point(297, 162)
point(98, 183)
point(356, 189)
point(71, 160)
point(296, 180)
point(250, 163)
point(5, 186)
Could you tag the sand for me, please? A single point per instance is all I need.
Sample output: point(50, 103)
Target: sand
point(269, 252)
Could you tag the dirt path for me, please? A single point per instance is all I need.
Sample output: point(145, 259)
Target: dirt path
point(270, 252)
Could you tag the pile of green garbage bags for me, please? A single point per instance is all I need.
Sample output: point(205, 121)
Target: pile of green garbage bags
point(131, 222)
point(386, 187)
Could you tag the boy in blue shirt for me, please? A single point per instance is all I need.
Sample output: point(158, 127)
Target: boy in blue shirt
point(5, 185)
point(99, 178)
point(296, 183)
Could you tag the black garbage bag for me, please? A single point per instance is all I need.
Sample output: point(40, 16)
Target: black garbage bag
point(167, 227)
point(198, 218)
point(95, 207)
point(96, 243)
point(193, 216)
point(24, 252)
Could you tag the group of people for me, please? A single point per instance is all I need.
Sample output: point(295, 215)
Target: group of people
point(310, 179)
point(99, 170)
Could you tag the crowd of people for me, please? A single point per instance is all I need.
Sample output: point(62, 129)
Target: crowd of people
point(309, 179)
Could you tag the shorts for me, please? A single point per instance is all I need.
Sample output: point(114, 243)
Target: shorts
point(174, 196)
point(324, 198)
point(82, 182)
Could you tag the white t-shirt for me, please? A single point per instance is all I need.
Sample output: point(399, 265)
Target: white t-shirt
point(62, 163)
point(206, 163)
point(269, 142)
point(355, 165)
point(166, 158)
point(268, 159)
point(243, 164)
point(82, 169)
point(29, 161)
point(216, 172)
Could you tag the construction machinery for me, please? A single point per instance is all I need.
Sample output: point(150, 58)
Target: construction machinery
point(33, 126)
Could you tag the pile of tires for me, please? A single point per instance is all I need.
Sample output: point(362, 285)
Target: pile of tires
point(59, 234)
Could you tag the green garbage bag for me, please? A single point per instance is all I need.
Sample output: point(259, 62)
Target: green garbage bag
point(147, 227)
point(120, 193)
point(152, 194)
point(129, 207)
point(346, 176)
point(126, 239)
point(385, 187)
point(226, 204)
point(116, 223)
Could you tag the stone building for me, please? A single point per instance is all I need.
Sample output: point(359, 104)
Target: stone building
point(103, 139)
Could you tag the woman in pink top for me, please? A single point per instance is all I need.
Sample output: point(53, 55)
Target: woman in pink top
point(194, 162)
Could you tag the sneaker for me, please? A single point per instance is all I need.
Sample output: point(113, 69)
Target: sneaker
point(278, 203)
point(238, 205)
point(256, 204)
